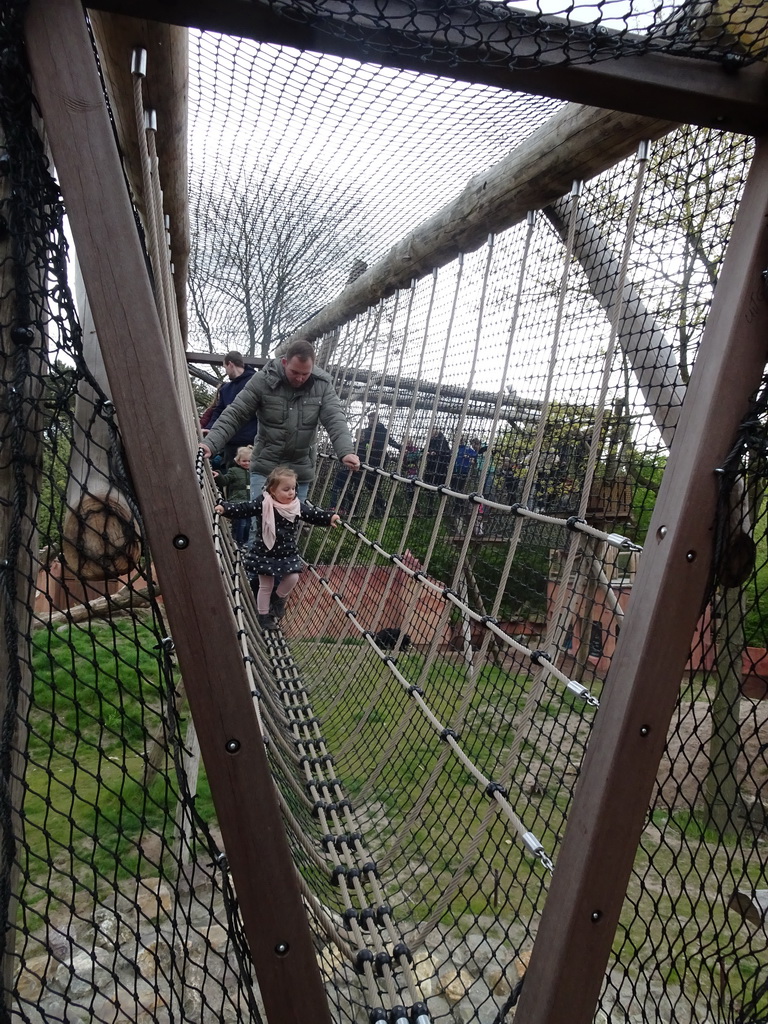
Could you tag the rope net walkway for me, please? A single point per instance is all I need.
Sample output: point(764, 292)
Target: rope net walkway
point(427, 703)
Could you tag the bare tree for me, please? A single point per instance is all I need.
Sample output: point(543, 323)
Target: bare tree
point(264, 257)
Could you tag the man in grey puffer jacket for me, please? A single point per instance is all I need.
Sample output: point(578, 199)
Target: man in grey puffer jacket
point(290, 397)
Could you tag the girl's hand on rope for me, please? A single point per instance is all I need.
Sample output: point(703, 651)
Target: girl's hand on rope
point(335, 519)
point(219, 509)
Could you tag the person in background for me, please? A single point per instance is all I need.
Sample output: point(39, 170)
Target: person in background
point(207, 413)
point(273, 551)
point(237, 481)
point(238, 375)
point(438, 457)
point(411, 458)
point(466, 460)
point(291, 398)
point(371, 450)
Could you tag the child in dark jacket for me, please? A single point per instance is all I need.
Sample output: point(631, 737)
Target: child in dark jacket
point(272, 551)
point(237, 481)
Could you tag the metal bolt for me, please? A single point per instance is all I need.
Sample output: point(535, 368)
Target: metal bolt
point(22, 334)
point(180, 541)
point(661, 533)
point(233, 746)
point(644, 730)
point(282, 948)
point(691, 556)
point(596, 915)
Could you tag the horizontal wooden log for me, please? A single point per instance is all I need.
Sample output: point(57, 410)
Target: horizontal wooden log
point(577, 143)
point(639, 333)
point(99, 608)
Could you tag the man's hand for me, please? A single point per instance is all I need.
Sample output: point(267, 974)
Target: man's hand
point(205, 450)
point(351, 461)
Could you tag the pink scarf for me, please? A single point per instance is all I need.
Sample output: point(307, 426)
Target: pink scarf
point(268, 509)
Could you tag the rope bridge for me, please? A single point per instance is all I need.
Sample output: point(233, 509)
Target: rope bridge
point(427, 705)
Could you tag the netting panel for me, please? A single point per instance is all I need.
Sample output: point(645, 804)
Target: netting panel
point(455, 863)
point(114, 902)
point(541, 34)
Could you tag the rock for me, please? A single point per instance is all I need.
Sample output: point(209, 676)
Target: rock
point(31, 978)
point(217, 937)
point(477, 1007)
point(106, 928)
point(153, 897)
point(521, 962)
point(152, 847)
point(153, 957)
point(434, 939)
point(331, 961)
point(194, 980)
point(425, 972)
point(477, 951)
point(84, 975)
point(497, 980)
point(454, 983)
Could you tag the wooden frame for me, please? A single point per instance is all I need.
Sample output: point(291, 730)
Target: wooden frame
point(203, 627)
point(656, 85)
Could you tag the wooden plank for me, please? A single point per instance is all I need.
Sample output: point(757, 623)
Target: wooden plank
point(161, 464)
point(613, 794)
point(660, 85)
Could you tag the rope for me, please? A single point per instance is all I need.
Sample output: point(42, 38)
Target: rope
point(349, 859)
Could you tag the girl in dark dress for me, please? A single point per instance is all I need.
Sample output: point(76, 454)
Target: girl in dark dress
point(272, 550)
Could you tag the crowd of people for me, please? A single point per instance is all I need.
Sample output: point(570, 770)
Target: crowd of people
point(261, 430)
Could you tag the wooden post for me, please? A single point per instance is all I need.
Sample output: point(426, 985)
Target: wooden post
point(605, 824)
point(159, 453)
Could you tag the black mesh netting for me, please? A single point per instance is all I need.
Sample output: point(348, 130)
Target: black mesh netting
point(113, 901)
point(530, 35)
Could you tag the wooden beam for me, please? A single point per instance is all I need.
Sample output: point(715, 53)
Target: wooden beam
point(152, 426)
point(215, 358)
point(594, 864)
point(659, 85)
point(578, 142)
point(165, 90)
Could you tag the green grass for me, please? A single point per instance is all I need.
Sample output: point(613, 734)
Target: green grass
point(446, 831)
point(97, 698)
